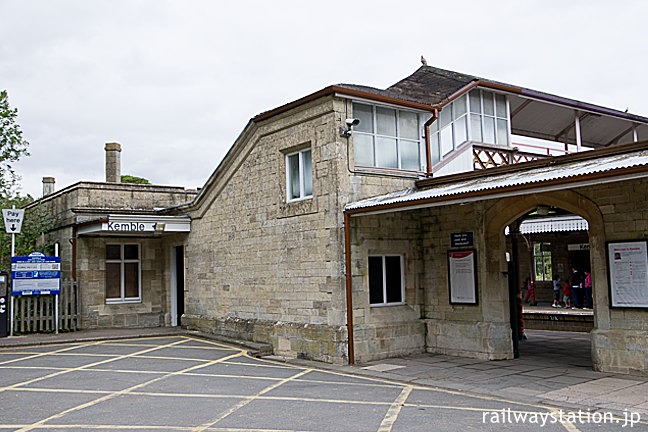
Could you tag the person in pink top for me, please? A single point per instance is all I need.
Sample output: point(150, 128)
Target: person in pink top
point(587, 288)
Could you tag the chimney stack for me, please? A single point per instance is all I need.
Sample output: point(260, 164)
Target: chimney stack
point(113, 162)
point(48, 185)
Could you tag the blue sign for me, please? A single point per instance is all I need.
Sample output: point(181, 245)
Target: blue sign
point(462, 239)
point(35, 274)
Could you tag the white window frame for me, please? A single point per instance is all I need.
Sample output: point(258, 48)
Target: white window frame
point(436, 150)
point(384, 282)
point(397, 137)
point(289, 191)
point(495, 116)
point(543, 257)
point(122, 261)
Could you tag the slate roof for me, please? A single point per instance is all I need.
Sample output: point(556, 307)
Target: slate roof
point(428, 85)
point(431, 85)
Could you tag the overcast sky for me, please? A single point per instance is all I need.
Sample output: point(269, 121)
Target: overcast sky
point(175, 82)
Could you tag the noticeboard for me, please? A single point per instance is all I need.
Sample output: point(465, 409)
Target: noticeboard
point(462, 277)
point(628, 273)
point(35, 274)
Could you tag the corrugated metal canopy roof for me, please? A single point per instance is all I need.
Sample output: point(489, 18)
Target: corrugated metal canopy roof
point(552, 224)
point(610, 166)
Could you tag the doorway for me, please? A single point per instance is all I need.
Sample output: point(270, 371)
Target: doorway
point(544, 245)
point(177, 284)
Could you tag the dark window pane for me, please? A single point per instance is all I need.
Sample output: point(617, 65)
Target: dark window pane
point(375, 280)
point(293, 160)
point(113, 252)
point(131, 251)
point(308, 173)
point(131, 281)
point(393, 279)
point(113, 280)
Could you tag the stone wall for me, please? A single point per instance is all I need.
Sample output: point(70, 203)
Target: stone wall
point(387, 331)
point(150, 312)
point(620, 338)
point(87, 201)
point(277, 265)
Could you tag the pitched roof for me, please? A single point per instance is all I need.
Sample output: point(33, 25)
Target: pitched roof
point(431, 85)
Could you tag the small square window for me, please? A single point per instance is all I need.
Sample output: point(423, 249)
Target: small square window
point(299, 175)
point(386, 280)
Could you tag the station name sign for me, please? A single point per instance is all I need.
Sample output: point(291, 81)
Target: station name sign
point(130, 226)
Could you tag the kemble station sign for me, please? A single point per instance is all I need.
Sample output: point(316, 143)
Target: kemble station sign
point(130, 226)
point(136, 224)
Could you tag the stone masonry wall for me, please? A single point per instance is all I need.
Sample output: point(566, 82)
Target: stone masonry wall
point(91, 276)
point(620, 338)
point(387, 331)
point(277, 266)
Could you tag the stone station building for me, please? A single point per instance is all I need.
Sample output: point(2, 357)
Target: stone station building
point(337, 225)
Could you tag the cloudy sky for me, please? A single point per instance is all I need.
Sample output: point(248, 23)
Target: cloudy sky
point(176, 81)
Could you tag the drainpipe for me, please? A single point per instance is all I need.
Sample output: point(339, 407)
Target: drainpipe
point(349, 285)
point(428, 154)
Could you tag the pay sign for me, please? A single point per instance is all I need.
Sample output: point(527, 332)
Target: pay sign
point(13, 219)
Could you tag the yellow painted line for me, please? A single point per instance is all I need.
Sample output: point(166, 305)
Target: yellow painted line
point(36, 355)
point(569, 426)
point(213, 342)
point(33, 367)
point(424, 388)
point(393, 411)
point(174, 358)
point(249, 399)
point(121, 392)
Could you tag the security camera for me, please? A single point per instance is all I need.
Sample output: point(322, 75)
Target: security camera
point(352, 122)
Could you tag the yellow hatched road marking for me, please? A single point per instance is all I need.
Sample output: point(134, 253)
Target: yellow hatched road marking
point(78, 368)
point(124, 391)
point(248, 400)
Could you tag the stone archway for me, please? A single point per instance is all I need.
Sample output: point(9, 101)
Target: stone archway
point(506, 210)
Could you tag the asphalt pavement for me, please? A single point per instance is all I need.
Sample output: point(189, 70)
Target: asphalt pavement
point(183, 382)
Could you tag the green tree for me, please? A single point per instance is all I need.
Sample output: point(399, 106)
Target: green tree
point(38, 221)
point(12, 145)
point(132, 179)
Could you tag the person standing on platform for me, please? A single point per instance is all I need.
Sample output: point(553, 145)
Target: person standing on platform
point(557, 291)
point(587, 288)
point(577, 288)
point(567, 292)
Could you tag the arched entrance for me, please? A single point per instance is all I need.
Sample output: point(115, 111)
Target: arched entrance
point(508, 210)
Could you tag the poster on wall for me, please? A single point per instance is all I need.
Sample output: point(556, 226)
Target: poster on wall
point(628, 274)
point(462, 277)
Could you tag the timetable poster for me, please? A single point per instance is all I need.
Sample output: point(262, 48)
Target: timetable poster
point(462, 277)
point(628, 264)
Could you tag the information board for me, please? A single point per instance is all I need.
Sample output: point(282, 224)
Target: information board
point(35, 274)
point(628, 264)
point(462, 277)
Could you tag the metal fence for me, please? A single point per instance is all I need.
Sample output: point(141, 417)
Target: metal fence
point(35, 314)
